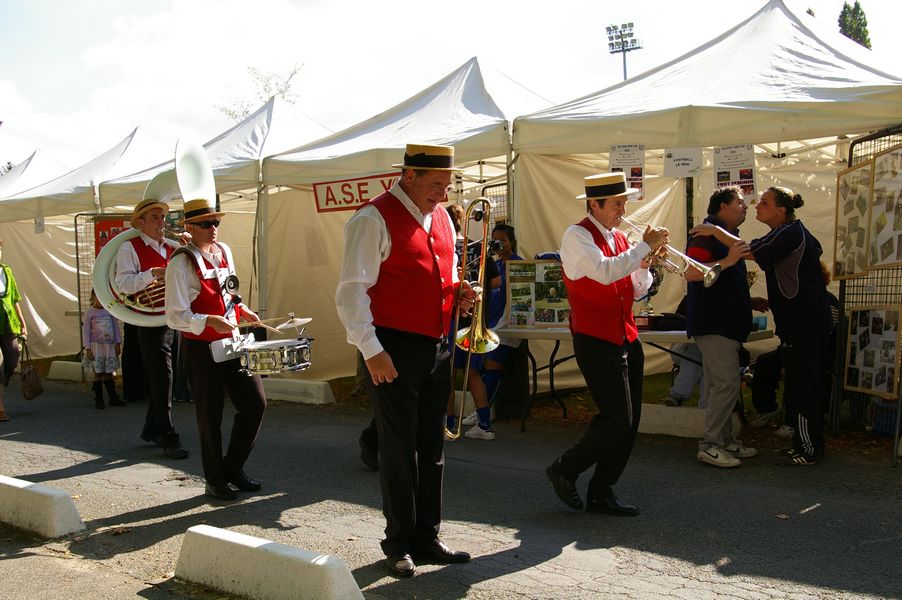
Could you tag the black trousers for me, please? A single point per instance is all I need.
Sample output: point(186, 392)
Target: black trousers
point(9, 347)
point(155, 344)
point(768, 371)
point(209, 381)
point(410, 418)
point(614, 376)
point(134, 382)
point(805, 388)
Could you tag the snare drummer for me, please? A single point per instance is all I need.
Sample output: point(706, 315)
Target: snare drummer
point(199, 307)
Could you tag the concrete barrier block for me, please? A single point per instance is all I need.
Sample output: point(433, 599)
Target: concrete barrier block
point(251, 567)
point(680, 421)
point(40, 509)
point(298, 390)
point(65, 370)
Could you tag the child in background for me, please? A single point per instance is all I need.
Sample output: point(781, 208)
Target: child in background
point(103, 345)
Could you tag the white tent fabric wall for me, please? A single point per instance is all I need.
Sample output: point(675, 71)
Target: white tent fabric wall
point(45, 274)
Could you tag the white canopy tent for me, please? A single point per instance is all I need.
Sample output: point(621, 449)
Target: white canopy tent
point(31, 172)
point(68, 194)
point(305, 245)
point(235, 154)
point(776, 77)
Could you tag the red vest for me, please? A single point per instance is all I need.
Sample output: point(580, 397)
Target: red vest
point(599, 310)
point(209, 301)
point(149, 258)
point(414, 291)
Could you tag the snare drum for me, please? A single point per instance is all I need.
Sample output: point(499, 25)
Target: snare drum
point(275, 356)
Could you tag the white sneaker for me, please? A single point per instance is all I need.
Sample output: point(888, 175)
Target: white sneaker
point(763, 419)
point(471, 419)
point(740, 451)
point(478, 433)
point(717, 457)
point(785, 431)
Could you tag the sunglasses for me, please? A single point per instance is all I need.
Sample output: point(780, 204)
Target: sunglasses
point(208, 224)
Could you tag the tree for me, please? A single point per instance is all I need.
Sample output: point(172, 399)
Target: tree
point(4, 169)
point(810, 12)
point(854, 24)
point(267, 84)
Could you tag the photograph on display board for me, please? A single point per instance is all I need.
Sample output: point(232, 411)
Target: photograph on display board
point(853, 197)
point(536, 295)
point(885, 232)
point(872, 360)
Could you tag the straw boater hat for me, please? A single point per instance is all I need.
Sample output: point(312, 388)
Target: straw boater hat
point(195, 179)
point(159, 191)
point(428, 158)
point(606, 185)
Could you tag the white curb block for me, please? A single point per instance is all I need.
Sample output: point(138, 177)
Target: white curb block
point(298, 390)
point(43, 510)
point(680, 421)
point(65, 370)
point(251, 567)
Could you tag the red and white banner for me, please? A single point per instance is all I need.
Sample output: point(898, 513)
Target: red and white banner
point(350, 194)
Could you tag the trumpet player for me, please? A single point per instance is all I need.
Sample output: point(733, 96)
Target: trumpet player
point(395, 298)
point(141, 267)
point(603, 275)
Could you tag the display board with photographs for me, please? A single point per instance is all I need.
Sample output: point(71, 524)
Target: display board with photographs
point(853, 194)
point(885, 232)
point(872, 360)
point(536, 295)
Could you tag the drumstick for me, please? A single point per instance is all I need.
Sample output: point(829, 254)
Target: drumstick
point(260, 324)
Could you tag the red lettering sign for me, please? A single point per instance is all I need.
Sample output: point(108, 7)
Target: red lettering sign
point(350, 194)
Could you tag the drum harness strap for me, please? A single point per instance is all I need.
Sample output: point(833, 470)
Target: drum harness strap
point(225, 277)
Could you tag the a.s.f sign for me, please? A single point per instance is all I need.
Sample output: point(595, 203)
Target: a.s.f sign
point(349, 194)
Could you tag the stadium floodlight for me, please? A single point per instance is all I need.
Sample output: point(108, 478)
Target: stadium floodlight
point(621, 40)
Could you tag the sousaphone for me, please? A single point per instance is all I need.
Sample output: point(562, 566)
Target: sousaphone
point(191, 177)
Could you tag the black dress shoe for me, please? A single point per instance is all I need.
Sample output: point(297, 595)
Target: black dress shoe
point(178, 451)
point(221, 491)
point(244, 483)
point(437, 552)
point(609, 504)
point(369, 456)
point(401, 565)
point(564, 488)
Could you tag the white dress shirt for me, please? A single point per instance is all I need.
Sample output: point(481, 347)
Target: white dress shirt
point(130, 279)
point(183, 287)
point(582, 258)
point(367, 246)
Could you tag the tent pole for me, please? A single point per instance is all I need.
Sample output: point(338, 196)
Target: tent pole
point(261, 247)
point(690, 195)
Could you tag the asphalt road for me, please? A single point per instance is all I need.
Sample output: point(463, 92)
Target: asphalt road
point(759, 531)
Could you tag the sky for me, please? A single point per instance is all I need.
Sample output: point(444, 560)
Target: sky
point(79, 75)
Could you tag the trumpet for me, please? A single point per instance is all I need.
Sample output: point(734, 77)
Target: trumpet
point(476, 338)
point(677, 262)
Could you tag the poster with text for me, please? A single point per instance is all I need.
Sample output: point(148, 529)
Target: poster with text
point(735, 165)
point(872, 359)
point(853, 193)
point(536, 295)
point(683, 162)
point(885, 231)
point(630, 159)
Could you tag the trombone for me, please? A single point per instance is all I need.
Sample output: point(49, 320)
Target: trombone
point(677, 262)
point(477, 338)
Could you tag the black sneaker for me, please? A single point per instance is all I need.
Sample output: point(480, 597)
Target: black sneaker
point(794, 458)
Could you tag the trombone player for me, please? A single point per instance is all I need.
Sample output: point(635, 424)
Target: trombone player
point(141, 266)
point(604, 275)
point(395, 296)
